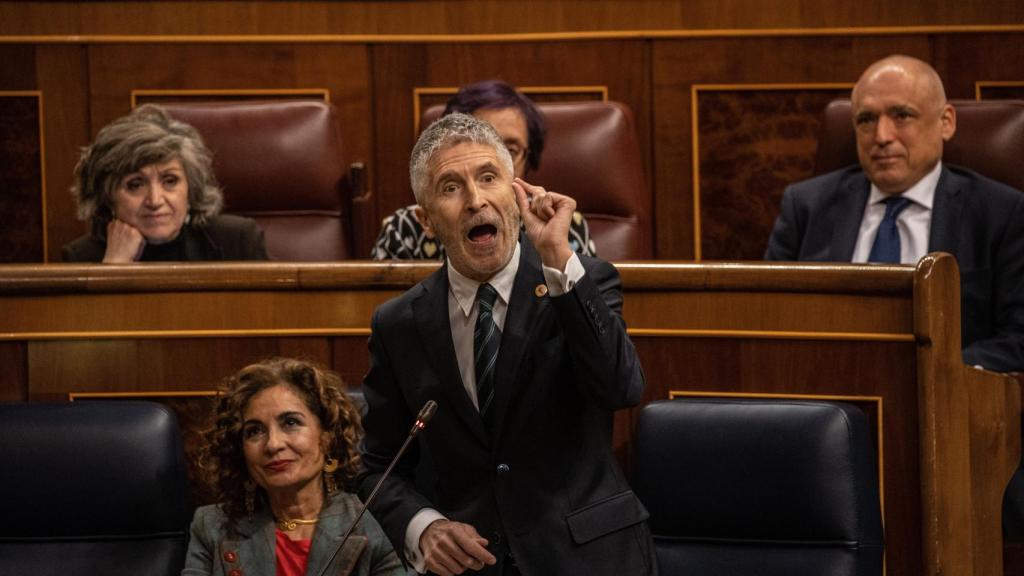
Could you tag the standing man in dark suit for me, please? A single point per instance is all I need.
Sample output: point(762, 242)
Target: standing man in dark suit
point(902, 202)
point(522, 344)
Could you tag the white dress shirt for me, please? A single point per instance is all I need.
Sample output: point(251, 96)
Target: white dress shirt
point(914, 223)
point(462, 313)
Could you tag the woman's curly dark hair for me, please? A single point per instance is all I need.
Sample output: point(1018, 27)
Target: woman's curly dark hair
point(221, 458)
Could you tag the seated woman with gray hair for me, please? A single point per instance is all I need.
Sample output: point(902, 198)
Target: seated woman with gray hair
point(147, 186)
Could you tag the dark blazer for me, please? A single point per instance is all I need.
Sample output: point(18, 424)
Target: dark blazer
point(213, 550)
point(223, 237)
point(977, 220)
point(544, 485)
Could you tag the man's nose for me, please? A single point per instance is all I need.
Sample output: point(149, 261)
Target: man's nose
point(474, 197)
point(884, 130)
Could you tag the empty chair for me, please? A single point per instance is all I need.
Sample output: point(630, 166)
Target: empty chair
point(280, 163)
point(743, 487)
point(592, 154)
point(92, 488)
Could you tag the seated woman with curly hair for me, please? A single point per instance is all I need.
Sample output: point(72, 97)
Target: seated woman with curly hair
point(146, 185)
point(282, 451)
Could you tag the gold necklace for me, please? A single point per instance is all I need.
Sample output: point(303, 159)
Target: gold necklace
point(289, 525)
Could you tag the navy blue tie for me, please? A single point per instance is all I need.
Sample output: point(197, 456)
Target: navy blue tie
point(486, 338)
point(887, 241)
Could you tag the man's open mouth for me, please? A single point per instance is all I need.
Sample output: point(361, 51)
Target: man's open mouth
point(482, 233)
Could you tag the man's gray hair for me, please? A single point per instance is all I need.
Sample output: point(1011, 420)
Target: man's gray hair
point(445, 132)
point(148, 135)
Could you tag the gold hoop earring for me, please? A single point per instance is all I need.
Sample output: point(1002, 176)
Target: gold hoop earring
point(330, 467)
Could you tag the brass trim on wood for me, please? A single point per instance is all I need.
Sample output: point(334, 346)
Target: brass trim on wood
point(770, 335)
point(498, 38)
point(38, 94)
point(72, 396)
point(323, 93)
point(980, 84)
point(151, 334)
point(695, 89)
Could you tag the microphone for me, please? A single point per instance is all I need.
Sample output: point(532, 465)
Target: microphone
point(426, 413)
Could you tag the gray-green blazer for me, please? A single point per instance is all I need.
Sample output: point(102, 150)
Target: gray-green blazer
point(251, 548)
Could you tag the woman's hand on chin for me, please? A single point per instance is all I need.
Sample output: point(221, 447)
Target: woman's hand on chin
point(124, 243)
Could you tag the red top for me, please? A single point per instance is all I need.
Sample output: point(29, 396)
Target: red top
point(292, 555)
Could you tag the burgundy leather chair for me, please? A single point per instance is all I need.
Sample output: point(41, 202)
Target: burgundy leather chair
point(281, 164)
point(592, 154)
point(989, 139)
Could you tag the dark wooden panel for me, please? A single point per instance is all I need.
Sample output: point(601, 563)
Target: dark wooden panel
point(1008, 91)
point(677, 65)
point(14, 375)
point(963, 60)
point(21, 178)
point(399, 69)
point(64, 80)
point(752, 144)
point(481, 17)
point(60, 367)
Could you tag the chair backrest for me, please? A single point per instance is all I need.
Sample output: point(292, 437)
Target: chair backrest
point(740, 487)
point(989, 139)
point(92, 488)
point(592, 154)
point(280, 163)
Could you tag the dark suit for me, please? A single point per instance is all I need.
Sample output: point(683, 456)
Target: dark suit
point(224, 237)
point(544, 485)
point(977, 220)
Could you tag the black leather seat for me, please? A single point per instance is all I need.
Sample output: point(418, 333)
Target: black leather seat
point(741, 487)
point(91, 488)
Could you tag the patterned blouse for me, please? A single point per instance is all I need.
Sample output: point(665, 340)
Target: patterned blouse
point(402, 238)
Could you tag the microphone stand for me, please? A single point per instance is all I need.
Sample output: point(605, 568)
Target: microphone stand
point(426, 413)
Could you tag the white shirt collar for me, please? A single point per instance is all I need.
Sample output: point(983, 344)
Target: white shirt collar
point(464, 289)
point(922, 193)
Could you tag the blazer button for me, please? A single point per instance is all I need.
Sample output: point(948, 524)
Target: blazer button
point(230, 557)
point(503, 469)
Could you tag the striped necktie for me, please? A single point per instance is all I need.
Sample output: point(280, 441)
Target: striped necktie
point(486, 338)
point(886, 247)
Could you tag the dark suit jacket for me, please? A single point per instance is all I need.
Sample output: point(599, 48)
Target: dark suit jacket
point(214, 551)
point(977, 220)
point(544, 485)
point(223, 237)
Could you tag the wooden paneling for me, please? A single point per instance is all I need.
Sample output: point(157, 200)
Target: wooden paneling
point(401, 69)
point(22, 198)
point(951, 433)
point(372, 80)
point(752, 141)
point(481, 16)
point(14, 376)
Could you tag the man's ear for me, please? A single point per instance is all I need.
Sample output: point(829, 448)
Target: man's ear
point(421, 215)
point(948, 119)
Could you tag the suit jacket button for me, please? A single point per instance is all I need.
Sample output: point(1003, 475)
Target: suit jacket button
point(503, 469)
point(235, 572)
point(230, 557)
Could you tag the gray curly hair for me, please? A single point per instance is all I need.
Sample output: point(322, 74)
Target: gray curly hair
point(447, 131)
point(148, 135)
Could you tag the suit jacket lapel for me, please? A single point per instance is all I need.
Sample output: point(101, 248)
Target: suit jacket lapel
point(255, 549)
point(944, 235)
point(847, 213)
point(524, 308)
point(431, 313)
point(333, 524)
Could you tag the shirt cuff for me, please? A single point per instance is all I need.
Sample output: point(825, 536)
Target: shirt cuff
point(425, 517)
point(562, 282)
